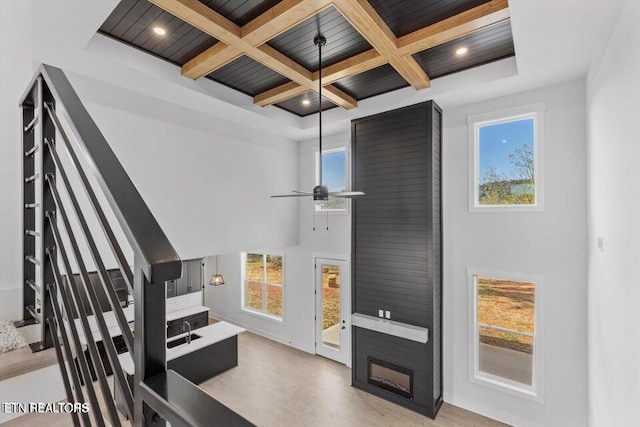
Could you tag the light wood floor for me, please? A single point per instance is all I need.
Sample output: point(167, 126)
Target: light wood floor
point(22, 360)
point(277, 385)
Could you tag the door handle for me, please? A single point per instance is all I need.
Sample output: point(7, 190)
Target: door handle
point(344, 327)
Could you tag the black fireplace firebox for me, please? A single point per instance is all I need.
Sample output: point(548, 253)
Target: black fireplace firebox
point(390, 377)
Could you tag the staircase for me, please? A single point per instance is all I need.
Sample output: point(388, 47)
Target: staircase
point(60, 137)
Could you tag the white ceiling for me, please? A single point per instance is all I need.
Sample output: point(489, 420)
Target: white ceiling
point(555, 40)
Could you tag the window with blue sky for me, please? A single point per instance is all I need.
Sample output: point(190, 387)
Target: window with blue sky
point(506, 170)
point(334, 177)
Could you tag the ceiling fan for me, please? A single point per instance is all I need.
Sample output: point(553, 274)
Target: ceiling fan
point(321, 192)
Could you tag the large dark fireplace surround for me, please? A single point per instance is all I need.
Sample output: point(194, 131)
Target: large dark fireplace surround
point(397, 257)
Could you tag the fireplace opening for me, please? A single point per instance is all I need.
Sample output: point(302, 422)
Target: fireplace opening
point(390, 377)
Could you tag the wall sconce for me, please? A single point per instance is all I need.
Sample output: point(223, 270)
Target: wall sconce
point(216, 279)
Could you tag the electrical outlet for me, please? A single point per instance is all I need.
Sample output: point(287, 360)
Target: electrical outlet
point(380, 313)
point(387, 314)
point(601, 244)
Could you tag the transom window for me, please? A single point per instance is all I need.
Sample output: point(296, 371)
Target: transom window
point(263, 284)
point(334, 177)
point(505, 343)
point(506, 169)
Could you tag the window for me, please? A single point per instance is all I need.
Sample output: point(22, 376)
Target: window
point(263, 284)
point(505, 332)
point(505, 167)
point(334, 177)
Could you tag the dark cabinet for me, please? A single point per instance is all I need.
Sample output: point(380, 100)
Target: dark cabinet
point(191, 280)
point(198, 320)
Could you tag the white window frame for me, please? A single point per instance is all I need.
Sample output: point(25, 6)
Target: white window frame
point(475, 122)
point(534, 392)
point(347, 169)
point(250, 310)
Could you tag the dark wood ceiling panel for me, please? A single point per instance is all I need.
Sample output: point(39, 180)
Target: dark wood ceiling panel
point(486, 45)
point(240, 12)
point(371, 83)
point(137, 10)
point(406, 16)
point(122, 9)
point(132, 22)
point(248, 76)
point(295, 105)
point(343, 41)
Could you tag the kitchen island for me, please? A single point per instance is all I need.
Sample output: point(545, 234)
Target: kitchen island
point(213, 349)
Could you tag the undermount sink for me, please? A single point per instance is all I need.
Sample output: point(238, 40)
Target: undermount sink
point(181, 341)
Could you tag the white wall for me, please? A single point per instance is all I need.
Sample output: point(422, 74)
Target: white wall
point(549, 243)
point(207, 181)
point(16, 69)
point(298, 326)
point(614, 210)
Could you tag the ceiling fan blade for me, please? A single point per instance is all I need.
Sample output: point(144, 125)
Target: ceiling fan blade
point(303, 192)
point(347, 194)
point(292, 195)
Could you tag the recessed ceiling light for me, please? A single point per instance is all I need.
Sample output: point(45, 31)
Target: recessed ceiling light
point(159, 31)
point(461, 50)
point(306, 102)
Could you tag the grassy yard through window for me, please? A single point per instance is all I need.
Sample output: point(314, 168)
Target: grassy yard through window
point(254, 286)
point(506, 304)
point(330, 296)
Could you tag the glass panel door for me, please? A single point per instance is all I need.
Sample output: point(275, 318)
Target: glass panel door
point(331, 313)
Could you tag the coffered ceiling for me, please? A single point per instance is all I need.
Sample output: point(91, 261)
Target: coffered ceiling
point(264, 48)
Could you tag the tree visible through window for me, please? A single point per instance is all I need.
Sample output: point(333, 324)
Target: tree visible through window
point(506, 163)
point(263, 284)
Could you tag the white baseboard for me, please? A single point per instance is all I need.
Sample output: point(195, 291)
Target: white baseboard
point(489, 412)
point(262, 333)
point(11, 303)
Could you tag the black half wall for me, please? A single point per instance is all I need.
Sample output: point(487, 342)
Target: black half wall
point(397, 246)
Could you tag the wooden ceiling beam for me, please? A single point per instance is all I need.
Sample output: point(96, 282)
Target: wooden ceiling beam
point(455, 27)
point(283, 16)
point(349, 67)
point(217, 26)
point(270, 24)
point(363, 17)
point(434, 35)
point(217, 56)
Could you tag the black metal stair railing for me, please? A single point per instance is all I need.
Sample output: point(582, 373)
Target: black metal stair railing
point(58, 290)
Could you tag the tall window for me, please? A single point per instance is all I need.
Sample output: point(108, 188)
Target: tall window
point(505, 343)
point(334, 177)
point(506, 168)
point(263, 284)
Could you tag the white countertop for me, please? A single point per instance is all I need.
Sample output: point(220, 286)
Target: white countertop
point(390, 327)
point(209, 335)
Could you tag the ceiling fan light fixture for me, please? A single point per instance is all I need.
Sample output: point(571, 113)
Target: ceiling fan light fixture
point(320, 192)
